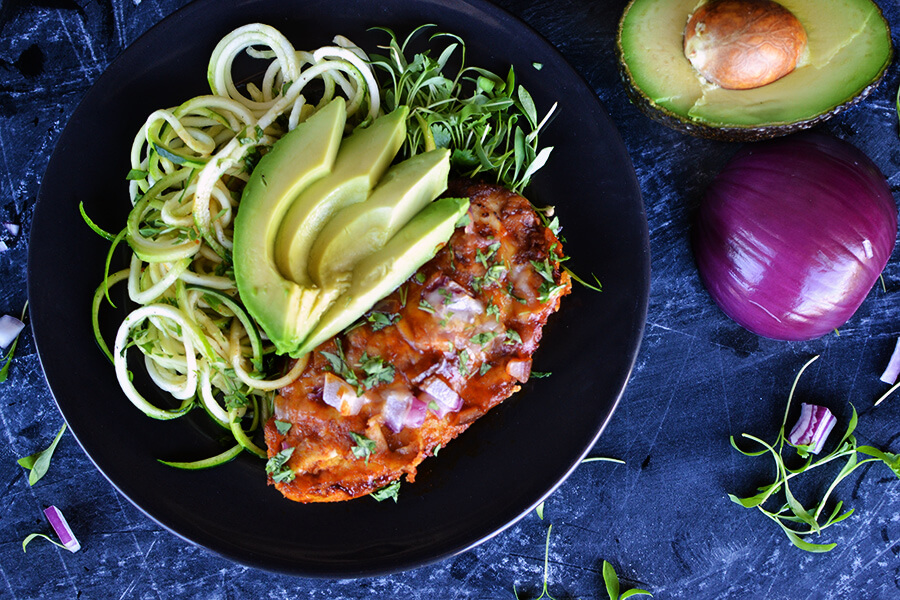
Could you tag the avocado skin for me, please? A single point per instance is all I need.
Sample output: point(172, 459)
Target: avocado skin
point(731, 133)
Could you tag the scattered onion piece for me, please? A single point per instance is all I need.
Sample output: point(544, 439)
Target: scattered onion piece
point(339, 394)
point(812, 428)
point(519, 369)
point(893, 368)
point(10, 327)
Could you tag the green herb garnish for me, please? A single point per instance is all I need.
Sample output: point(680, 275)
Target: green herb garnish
point(277, 468)
point(390, 491)
point(282, 426)
point(484, 338)
point(39, 462)
point(379, 320)
point(363, 447)
point(490, 121)
point(612, 585)
point(377, 371)
point(794, 519)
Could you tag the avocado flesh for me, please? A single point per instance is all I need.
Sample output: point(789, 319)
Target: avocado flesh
point(385, 270)
point(359, 230)
point(361, 161)
point(301, 157)
point(849, 48)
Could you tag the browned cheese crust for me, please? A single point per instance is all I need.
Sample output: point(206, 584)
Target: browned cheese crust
point(470, 318)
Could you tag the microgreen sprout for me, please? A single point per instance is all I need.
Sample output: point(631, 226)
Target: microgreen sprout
point(795, 520)
point(490, 122)
point(612, 585)
point(39, 462)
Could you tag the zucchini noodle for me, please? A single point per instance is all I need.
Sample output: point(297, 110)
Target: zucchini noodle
point(189, 164)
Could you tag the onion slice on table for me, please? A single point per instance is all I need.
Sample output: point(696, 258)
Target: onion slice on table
point(62, 529)
point(812, 428)
point(10, 328)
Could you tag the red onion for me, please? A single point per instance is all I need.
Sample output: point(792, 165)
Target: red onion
point(812, 428)
point(396, 406)
point(10, 328)
point(438, 389)
point(416, 414)
point(62, 529)
point(341, 395)
point(792, 235)
point(519, 369)
point(893, 369)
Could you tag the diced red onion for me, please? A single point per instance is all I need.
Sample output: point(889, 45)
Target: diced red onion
point(10, 327)
point(416, 414)
point(893, 369)
point(431, 403)
point(812, 428)
point(519, 369)
point(451, 299)
point(396, 406)
point(3, 246)
point(62, 529)
point(12, 228)
point(341, 395)
point(438, 389)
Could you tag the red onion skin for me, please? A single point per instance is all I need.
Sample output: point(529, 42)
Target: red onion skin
point(793, 233)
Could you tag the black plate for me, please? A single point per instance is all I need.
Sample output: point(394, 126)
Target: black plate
point(481, 483)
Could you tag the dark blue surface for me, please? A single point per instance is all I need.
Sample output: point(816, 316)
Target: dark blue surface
point(663, 519)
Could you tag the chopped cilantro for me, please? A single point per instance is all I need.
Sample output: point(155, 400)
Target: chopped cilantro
point(484, 338)
point(377, 371)
point(426, 306)
point(420, 277)
point(388, 492)
point(540, 374)
point(381, 320)
point(484, 368)
point(363, 448)
point(463, 357)
point(277, 468)
point(282, 426)
point(512, 337)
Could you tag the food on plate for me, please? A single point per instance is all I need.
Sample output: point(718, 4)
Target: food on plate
point(793, 233)
point(269, 216)
point(722, 95)
point(437, 353)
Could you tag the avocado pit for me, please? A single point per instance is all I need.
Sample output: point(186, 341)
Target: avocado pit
point(743, 44)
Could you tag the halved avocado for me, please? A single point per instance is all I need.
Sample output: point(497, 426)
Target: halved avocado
point(849, 49)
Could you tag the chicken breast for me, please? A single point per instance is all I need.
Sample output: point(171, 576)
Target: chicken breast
point(447, 346)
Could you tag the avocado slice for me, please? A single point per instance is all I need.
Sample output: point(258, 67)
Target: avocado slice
point(849, 49)
point(361, 229)
point(361, 161)
point(380, 273)
point(301, 157)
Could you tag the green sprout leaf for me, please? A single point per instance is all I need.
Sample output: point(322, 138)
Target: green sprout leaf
point(612, 585)
point(795, 520)
point(39, 463)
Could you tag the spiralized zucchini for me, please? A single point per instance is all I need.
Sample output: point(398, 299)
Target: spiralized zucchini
point(189, 164)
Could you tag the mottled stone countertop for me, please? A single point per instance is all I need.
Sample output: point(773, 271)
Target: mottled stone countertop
point(663, 518)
